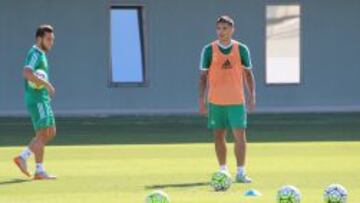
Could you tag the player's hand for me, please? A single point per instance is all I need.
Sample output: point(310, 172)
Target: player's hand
point(251, 102)
point(202, 107)
point(51, 90)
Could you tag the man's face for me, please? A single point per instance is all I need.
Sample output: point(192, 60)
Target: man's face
point(224, 31)
point(47, 41)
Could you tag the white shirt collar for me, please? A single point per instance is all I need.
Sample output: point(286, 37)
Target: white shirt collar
point(225, 46)
point(36, 47)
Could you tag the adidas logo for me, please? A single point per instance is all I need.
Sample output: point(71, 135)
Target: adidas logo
point(227, 64)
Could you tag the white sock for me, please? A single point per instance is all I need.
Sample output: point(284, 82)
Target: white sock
point(224, 168)
point(241, 170)
point(26, 153)
point(39, 167)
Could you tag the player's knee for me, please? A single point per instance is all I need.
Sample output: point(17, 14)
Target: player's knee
point(49, 134)
point(219, 138)
point(240, 137)
point(40, 141)
point(41, 134)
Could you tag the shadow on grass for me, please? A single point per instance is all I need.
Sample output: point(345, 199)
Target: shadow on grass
point(180, 185)
point(14, 181)
point(185, 129)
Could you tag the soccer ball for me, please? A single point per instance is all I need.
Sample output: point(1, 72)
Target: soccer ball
point(39, 74)
point(288, 194)
point(335, 193)
point(157, 196)
point(221, 181)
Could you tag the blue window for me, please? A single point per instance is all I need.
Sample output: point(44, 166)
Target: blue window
point(127, 46)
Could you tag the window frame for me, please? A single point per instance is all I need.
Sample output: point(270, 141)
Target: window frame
point(301, 71)
point(142, 31)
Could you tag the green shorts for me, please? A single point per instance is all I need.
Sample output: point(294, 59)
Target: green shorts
point(41, 115)
point(227, 116)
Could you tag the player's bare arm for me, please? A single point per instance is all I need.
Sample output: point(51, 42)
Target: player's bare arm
point(29, 75)
point(202, 92)
point(250, 85)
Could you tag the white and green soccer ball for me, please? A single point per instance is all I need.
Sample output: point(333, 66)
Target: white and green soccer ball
point(288, 194)
point(157, 196)
point(221, 181)
point(39, 74)
point(335, 193)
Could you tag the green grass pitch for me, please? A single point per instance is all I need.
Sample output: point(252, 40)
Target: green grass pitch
point(123, 159)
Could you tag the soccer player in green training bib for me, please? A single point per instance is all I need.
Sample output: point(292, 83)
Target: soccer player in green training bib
point(38, 91)
point(225, 71)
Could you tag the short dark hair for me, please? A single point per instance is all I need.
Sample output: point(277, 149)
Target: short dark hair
point(43, 29)
point(226, 19)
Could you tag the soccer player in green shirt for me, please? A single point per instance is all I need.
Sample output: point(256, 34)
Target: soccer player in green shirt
point(37, 99)
point(225, 72)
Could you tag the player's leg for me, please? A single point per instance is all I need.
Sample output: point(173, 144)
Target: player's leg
point(217, 122)
point(21, 160)
point(240, 145)
point(44, 124)
point(38, 147)
point(238, 123)
point(220, 148)
point(51, 133)
point(45, 134)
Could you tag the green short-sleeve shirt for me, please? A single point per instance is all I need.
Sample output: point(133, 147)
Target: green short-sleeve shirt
point(36, 59)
